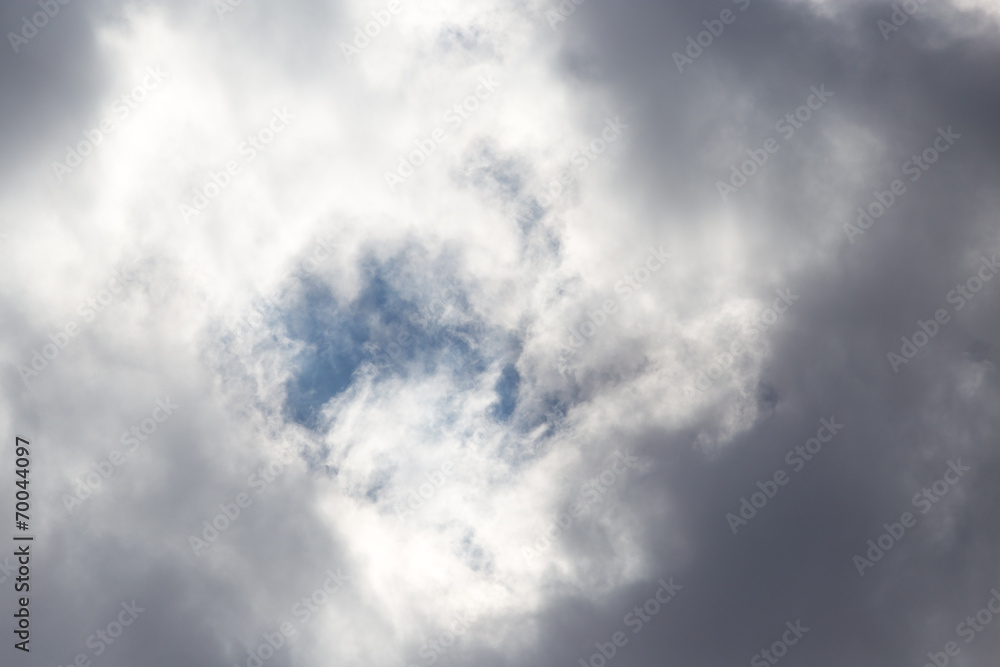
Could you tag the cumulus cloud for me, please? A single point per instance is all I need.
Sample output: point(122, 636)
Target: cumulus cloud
point(415, 334)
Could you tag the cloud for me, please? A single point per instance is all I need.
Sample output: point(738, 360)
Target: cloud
point(552, 286)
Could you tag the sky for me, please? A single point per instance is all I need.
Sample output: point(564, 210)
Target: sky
point(506, 333)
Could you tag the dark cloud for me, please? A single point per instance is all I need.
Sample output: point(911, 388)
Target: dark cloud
point(794, 559)
point(415, 412)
